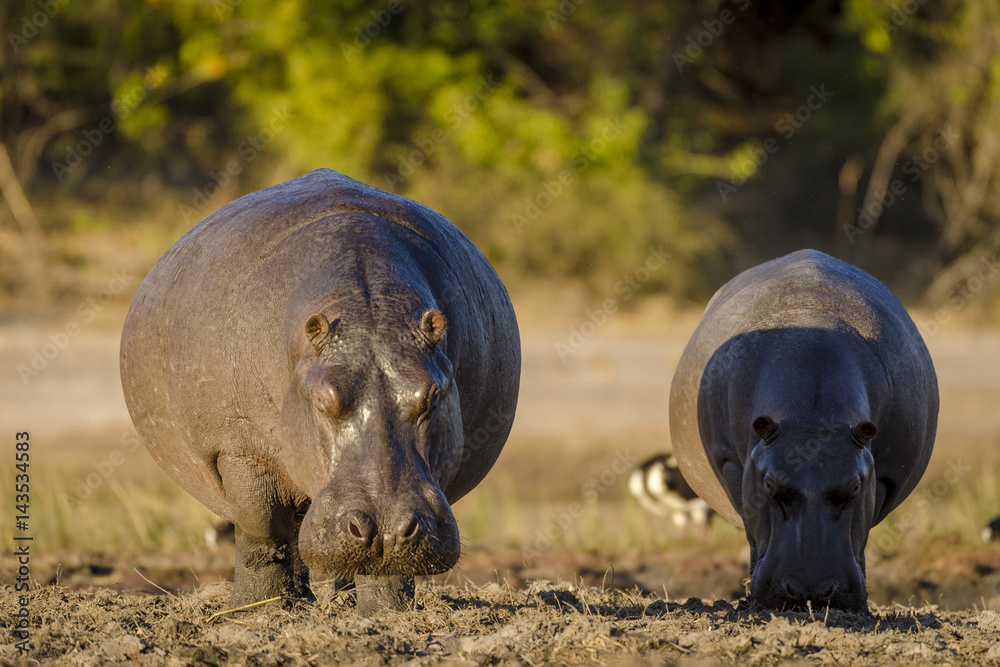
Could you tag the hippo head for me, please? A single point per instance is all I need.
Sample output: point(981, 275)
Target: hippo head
point(372, 433)
point(808, 497)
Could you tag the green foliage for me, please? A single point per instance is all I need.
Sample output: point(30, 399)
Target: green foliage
point(641, 115)
point(943, 98)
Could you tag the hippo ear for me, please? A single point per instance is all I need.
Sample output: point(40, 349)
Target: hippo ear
point(433, 324)
point(317, 329)
point(765, 427)
point(864, 432)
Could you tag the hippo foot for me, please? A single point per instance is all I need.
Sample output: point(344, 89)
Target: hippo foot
point(266, 569)
point(378, 594)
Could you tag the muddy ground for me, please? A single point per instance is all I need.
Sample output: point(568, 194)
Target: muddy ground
point(583, 599)
point(683, 606)
point(543, 623)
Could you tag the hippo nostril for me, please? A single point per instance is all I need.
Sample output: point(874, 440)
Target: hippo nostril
point(826, 589)
point(360, 527)
point(409, 529)
point(792, 588)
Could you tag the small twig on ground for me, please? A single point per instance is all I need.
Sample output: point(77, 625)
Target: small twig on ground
point(246, 606)
point(679, 647)
point(151, 583)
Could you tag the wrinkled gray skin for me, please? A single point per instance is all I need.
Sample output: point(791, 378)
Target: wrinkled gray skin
point(804, 408)
point(328, 366)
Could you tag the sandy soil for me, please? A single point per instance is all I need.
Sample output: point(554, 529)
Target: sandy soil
point(579, 413)
point(493, 624)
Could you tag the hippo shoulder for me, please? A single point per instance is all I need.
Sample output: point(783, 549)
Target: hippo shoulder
point(808, 288)
point(264, 219)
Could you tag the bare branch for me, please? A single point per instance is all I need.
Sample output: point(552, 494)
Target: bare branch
point(963, 267)
point(30, 228)
point(894, 142)
point(31, 143)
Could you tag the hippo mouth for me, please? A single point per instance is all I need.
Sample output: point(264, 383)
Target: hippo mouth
point(800, 589)
point(404, 539)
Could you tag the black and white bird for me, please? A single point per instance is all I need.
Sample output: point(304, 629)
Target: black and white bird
point(660, 487)
point(992, 530)
point(220, 533)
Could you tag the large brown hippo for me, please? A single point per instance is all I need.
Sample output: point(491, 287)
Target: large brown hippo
point(327, 366)
point(804, 408)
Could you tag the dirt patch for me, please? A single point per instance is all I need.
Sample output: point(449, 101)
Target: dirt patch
point(491, 624)
point(955, 579)
point(97, 610)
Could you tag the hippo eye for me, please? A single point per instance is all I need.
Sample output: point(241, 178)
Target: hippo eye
point(428, 401)
point(780, 493)
point(840, 497)
point(326, 400)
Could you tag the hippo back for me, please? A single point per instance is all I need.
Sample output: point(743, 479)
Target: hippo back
point(207, 348)
point(801, 291)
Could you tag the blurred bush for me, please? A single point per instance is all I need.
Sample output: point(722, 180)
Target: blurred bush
point(567, 138)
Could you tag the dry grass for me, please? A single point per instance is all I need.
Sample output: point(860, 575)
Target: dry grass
point(569, 623)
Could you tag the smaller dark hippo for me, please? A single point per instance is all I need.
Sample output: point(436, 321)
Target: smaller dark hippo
point(804, 408)
point(328, 366)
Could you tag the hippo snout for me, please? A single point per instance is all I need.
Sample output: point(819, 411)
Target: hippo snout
point(797, 588)
point(403, 535)
point(800, 592)
point(404, 530)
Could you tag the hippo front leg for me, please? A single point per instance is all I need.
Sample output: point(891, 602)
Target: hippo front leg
point(265, 568)
point(267, 556)
point(374, 594)
point(377, 594)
